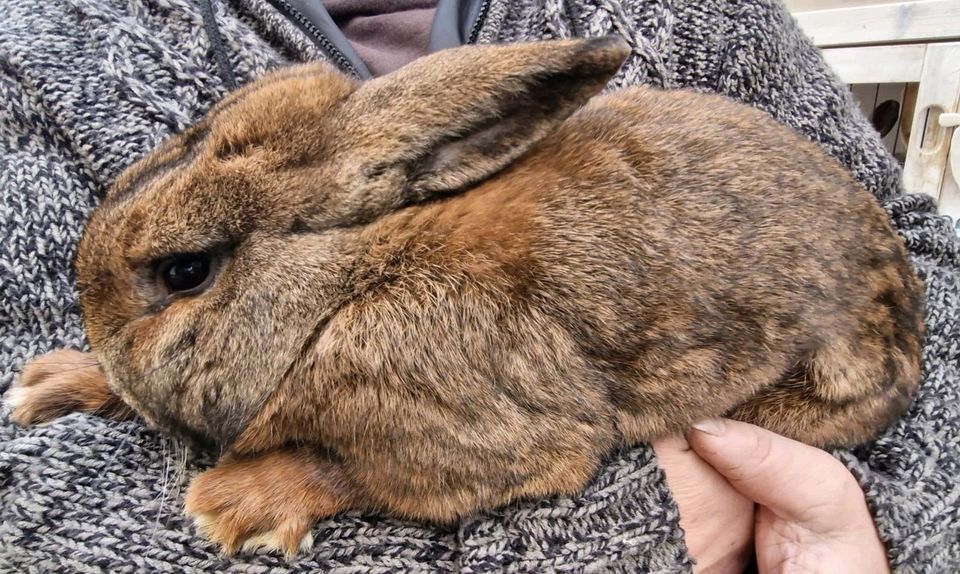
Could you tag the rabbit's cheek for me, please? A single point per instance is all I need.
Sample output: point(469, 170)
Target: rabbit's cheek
point(203, 367)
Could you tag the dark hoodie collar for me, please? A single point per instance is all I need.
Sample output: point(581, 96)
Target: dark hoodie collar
point(456, 22)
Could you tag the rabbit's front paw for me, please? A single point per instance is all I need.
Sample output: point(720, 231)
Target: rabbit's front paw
point(269, 501)
point(60, 383)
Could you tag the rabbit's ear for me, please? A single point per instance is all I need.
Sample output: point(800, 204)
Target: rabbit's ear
point(454, 118)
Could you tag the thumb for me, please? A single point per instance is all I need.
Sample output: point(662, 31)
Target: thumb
point(795, 481)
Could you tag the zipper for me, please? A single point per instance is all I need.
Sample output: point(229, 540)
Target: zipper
point(478, 23)
point(328, 47)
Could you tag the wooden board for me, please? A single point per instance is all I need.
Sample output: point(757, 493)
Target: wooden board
point(877, 64)
point(926, 163)
point(883, 23)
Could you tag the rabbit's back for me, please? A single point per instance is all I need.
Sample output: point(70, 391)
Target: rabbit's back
point(685, 236)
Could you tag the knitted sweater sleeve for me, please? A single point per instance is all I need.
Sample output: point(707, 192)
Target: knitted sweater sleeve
point(45, 193)
point(910, 474)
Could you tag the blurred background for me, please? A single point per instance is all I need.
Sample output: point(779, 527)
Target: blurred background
point(902, 62)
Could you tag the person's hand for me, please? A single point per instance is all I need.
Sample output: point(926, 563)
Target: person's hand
point(811, 514)
point(716, 519)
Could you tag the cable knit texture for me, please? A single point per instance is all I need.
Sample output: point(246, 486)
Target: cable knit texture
point(89, 86)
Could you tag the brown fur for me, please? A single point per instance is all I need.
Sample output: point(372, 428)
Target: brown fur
point(451, 288)
point(284, 490)
point(63, 382)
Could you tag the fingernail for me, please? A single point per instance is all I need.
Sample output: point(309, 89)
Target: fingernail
point(713, 427)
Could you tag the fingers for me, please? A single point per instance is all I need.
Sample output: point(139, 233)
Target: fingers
point(717, 520)
point(812, 512)
point(688, 475)
point(797, 482)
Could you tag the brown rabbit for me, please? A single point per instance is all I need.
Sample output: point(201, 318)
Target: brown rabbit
point(466, 282)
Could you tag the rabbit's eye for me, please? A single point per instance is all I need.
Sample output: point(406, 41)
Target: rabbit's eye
point(187, 272)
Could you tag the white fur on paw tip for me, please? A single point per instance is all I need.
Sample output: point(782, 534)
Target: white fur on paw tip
point(205, 523)
point(16, 396)
point(268, 541)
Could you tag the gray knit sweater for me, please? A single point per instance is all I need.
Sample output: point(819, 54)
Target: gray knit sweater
point(89, 86)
